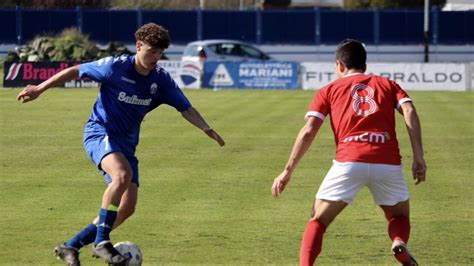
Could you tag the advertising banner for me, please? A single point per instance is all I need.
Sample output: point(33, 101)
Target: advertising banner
point(186, 74)
point(20, 74)
point(251, 75)
point(429, 77)
point(410, 76)
point(314, 76)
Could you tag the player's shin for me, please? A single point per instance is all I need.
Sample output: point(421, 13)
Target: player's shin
point(84, 237)
point(312, 242)
point(399, 228)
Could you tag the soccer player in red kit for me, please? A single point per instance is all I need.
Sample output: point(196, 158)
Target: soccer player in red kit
point(362, 111)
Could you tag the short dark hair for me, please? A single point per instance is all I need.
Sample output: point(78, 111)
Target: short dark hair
point(352, 53)
point(153, 35)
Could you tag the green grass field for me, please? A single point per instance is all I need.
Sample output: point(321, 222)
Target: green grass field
point(201, 204)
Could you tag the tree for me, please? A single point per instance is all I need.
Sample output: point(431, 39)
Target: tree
point(56, 3)
point(276, 4)
point(390, 4)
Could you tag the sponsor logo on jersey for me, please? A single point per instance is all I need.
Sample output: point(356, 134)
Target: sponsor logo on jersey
point(127, 80)
point(123, 97)
point(153, 88)
point(369, 137)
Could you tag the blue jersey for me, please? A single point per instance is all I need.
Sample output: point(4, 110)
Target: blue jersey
point(126, 96)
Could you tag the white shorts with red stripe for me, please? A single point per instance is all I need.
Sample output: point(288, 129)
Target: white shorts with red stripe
point(345, 180)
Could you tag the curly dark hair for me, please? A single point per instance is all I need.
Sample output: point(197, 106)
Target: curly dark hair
point(153, 35)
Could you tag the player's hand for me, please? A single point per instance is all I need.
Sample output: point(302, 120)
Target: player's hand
point(419, 170)
point(213, 135)
point(280, 182)
point(29, 93)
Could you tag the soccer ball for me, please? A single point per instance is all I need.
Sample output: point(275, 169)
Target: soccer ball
point(131, 251)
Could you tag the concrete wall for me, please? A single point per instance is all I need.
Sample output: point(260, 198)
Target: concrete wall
point(381, 53)
point(325, 53)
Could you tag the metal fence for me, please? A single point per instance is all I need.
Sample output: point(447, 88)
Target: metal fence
point(314, 26)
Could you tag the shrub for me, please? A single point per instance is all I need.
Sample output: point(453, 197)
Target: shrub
point(69, 45)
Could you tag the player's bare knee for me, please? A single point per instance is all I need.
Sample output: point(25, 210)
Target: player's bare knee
point(122, 178)
point(325, 220)
point(398, 210)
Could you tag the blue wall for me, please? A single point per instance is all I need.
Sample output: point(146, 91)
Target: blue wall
point(316, 26)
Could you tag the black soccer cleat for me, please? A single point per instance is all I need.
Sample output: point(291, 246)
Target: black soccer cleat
point(106, 251)
point(402, 255)
point(67, 254)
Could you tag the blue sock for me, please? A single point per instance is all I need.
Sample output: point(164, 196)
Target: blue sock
point(106, 221)
point(83, 238)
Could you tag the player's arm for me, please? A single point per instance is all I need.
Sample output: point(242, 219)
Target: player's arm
point(31, 92)
point(195, 118)
point(412, 123)
point(302, 143)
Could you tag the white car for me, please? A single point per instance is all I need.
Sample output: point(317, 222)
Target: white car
point(222, 50)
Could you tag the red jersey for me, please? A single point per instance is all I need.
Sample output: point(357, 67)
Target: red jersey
point(362, 110)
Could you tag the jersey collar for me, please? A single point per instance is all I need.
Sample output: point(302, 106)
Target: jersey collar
point(353, 74)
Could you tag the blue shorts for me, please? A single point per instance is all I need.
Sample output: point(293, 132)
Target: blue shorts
point(98, 145)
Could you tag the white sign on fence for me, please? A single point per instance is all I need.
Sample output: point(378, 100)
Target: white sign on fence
point(316, 75)
point(410, 76)
point(185, 74)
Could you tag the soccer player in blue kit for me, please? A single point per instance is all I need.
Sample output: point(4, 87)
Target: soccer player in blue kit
point(131, 86)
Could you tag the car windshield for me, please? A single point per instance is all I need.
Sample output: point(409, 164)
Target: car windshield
point(235, 50)
point(192, 50)
point(250, 52)
point(225, 49)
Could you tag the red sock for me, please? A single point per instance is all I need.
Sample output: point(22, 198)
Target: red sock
point(312, 242)
point(399, 228)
